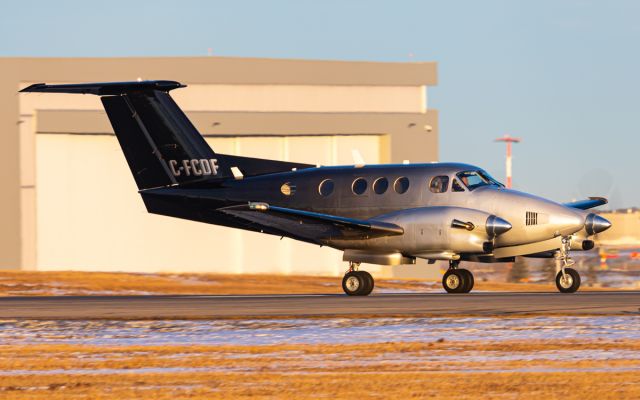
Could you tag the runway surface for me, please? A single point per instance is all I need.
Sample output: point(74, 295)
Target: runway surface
point(212, 307)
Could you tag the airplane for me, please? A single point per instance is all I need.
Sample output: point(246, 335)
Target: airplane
point(387, 214)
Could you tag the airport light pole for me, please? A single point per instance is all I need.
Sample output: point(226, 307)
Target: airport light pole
point(508, 140)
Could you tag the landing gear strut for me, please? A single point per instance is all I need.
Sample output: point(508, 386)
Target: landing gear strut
point(568, 279)
point(357, 283)
point(457, 280)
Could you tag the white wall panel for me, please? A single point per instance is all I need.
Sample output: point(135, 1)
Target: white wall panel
point(310, 149)
point(367, 145)
point(307, 258)
point(90, 217)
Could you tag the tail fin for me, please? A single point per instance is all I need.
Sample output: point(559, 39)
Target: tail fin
point(161, 145)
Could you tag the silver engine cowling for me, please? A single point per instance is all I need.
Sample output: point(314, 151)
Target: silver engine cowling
point(438, 232)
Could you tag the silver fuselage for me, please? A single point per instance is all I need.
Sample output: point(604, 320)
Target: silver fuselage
point(425, 216)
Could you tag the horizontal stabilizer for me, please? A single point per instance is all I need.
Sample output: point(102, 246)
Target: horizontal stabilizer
point(105, 88)
point(587, 204)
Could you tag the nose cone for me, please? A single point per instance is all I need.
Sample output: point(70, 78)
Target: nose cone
point(497, 226)
point(596, 224)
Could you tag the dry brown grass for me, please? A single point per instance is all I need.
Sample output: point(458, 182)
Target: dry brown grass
point(41, 283)
point(344, 385)
point(381, 371)
point(79, 283)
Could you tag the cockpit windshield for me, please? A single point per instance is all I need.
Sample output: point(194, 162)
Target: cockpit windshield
point(476, 179)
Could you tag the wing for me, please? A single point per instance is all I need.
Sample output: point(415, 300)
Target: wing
point(311, 225)
point(587, 204)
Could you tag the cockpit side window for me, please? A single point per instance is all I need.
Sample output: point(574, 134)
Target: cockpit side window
point(456, 186)
point(439, 184)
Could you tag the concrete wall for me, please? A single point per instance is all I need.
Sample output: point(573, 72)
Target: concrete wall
point(302, 98)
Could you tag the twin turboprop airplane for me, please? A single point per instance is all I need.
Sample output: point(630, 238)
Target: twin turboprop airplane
point(380, 214)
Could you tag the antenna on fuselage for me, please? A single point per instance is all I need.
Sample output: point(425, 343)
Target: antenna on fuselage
point(358, 161)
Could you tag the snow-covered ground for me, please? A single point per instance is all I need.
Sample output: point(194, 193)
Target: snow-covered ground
point(318, 331)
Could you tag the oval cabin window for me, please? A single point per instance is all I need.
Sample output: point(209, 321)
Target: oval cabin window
point(326, 187)
point(439, 184)
point(359, 186)
point(401, 185)
point(380, 185)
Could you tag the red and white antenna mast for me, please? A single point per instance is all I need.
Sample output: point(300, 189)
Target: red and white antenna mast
point(508, 140)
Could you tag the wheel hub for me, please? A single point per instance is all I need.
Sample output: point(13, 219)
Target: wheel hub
point(453, 281)
point(566, 281)
point(352, 283)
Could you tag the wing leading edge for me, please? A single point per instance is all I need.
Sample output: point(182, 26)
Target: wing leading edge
point(587, 204)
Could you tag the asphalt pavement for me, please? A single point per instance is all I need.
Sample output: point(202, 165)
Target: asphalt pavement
point(256, 306)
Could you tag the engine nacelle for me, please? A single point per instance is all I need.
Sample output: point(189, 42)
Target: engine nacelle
point(430, 231)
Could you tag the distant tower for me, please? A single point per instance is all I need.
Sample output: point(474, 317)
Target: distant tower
point(508, 140)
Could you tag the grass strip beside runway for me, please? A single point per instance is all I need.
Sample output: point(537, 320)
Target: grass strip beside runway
point(597, 369)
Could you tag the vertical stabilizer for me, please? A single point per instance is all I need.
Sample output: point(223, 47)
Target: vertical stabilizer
point(161, 145)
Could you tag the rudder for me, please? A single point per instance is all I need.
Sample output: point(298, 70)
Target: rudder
point(160, 144)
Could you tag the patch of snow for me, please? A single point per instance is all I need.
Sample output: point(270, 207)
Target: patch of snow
point(319, 331)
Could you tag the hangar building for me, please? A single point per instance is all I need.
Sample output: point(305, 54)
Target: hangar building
point(68, 199)
point(625, 229)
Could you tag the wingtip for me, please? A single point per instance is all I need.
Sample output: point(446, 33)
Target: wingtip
point(603, 199)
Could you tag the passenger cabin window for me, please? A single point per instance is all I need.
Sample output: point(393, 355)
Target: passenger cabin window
point(456, 186)
point(439, 184)
point(380, 185)
point(476, 179)
point(401, 185)
point(359, 186)
point(326, 187)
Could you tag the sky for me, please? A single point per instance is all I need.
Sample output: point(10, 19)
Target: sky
point(561, 75)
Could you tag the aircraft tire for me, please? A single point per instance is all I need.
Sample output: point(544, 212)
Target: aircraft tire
point(370, 283)
point(572, 283)
point(354, 283)
point(469, 280)
point(454, 281)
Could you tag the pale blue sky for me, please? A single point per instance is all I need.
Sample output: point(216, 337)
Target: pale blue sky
point(563, 75)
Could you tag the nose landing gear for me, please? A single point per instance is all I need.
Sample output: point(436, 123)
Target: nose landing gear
point(457, 280)
point(357, 283)
point(568, 279)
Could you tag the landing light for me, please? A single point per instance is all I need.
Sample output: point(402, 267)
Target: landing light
point(259, 206)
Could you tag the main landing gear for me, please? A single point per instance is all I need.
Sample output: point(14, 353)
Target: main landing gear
point(357, 283)
point(457, 280)
point(568, 279)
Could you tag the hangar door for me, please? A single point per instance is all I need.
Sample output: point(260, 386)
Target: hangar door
point(90, 217)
